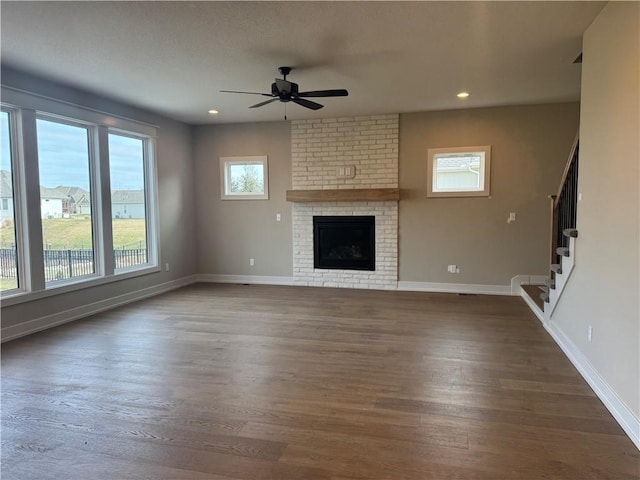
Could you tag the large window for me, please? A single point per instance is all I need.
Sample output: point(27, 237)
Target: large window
point(9, 275)
point(67, 234)
point(77, 199)
point(128, 200)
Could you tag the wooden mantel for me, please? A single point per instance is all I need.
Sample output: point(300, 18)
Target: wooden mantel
point(344, 195)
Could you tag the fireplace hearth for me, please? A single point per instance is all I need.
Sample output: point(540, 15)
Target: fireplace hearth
point(344, 242)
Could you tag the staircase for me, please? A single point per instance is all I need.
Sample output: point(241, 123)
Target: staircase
point(560, 272)
point(563, 236)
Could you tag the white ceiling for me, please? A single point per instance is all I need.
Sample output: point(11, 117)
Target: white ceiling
point(174, 57)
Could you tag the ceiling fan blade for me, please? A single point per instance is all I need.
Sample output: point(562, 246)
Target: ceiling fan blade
point(248, 93)
point(325, 93)
point(307, 103)
point(264, 103)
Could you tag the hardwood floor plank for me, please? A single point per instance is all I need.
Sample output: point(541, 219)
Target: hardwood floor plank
point(236, 382)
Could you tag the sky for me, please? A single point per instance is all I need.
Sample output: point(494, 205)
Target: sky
point(5, 163)
point(64, 159)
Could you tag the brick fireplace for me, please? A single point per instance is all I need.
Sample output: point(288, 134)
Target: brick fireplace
point(347, 153)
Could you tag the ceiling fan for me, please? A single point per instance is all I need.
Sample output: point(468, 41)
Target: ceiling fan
point(284, 91)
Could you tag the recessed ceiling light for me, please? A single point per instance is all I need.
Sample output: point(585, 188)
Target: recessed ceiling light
point(463, 95)
point(213, 112)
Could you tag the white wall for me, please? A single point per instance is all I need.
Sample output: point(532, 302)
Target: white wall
point(604, 289)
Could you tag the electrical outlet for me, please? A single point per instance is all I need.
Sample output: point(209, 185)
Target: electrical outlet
point(512, 217)
point(252, 262)
point(590, 333)
point(278, 217)
point(166, 267)
point(453, 269)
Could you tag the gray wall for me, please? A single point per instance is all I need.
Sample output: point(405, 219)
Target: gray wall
point(604, 289)
point(230, 232)
point(175, 192)
point(529, 149)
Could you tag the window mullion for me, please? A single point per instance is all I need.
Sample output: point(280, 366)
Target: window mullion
point(29, 202)
point(102, 200)
point(151, 199)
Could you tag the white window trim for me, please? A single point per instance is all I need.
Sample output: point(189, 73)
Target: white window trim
point(18, 208)
point(225, 177)
point(25, 108)
point(485, 189)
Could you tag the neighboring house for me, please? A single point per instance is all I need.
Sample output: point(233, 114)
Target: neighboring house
point(6, 195)
point(127, 204)
point(83, 204)
point(458, 172)
point(52, 202)
point(73, 194)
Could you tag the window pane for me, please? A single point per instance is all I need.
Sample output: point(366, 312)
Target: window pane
point(9, 275)
point(65, 207)
point(246, 178)
point(128, 208)
point(458, 172)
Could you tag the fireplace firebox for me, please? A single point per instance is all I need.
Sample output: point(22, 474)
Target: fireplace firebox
point(345, 242)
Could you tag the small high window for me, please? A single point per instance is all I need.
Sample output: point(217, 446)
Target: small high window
point(244, 178)
point(459, 172)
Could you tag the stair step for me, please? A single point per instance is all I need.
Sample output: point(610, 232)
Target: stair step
point(550, 282)
point(564, 251)
point(570, 232)
point(556, 268)
point(545, 297)
point(544, 288)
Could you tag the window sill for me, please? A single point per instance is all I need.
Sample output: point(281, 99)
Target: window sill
point(72, 286)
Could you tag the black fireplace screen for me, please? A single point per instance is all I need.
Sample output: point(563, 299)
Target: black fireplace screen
point(346, 243)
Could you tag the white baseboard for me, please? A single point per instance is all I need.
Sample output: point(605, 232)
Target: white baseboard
point(59, 318)
point(532, 305)
point(251, 279)
point(625, 417)
point(455, 288)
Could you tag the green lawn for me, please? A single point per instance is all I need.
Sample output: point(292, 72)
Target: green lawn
point(75, 233)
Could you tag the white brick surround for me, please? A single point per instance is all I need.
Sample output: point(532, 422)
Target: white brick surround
point(319, 148)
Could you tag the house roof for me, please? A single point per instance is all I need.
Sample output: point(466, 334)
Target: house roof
point(175, 57)
point(127, 197)
point(47, 193)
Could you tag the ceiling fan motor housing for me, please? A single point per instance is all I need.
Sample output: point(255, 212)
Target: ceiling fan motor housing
point(286, 91)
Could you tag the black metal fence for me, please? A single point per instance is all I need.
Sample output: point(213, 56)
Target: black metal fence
point(61, 264)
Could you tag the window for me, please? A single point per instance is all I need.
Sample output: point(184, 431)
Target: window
point(80, 183)
point(67, 236)
point(458, 172)
point(128, 200)
point(9, 274)
point(244, 178)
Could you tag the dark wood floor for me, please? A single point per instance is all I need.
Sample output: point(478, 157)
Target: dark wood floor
point(262, 382)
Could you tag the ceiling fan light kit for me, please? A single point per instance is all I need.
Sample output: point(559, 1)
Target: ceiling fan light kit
point(285, 91)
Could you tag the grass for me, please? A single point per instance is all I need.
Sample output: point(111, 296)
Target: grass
point(8, 284)
point(75, 233)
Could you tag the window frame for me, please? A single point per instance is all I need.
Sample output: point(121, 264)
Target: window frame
point(26, 108)
point(23, 278)
point(485, 188)
point(225, 177)
point(96, 231)
point(150, 199)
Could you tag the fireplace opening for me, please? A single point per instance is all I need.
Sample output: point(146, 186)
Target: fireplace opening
point(345, 242)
